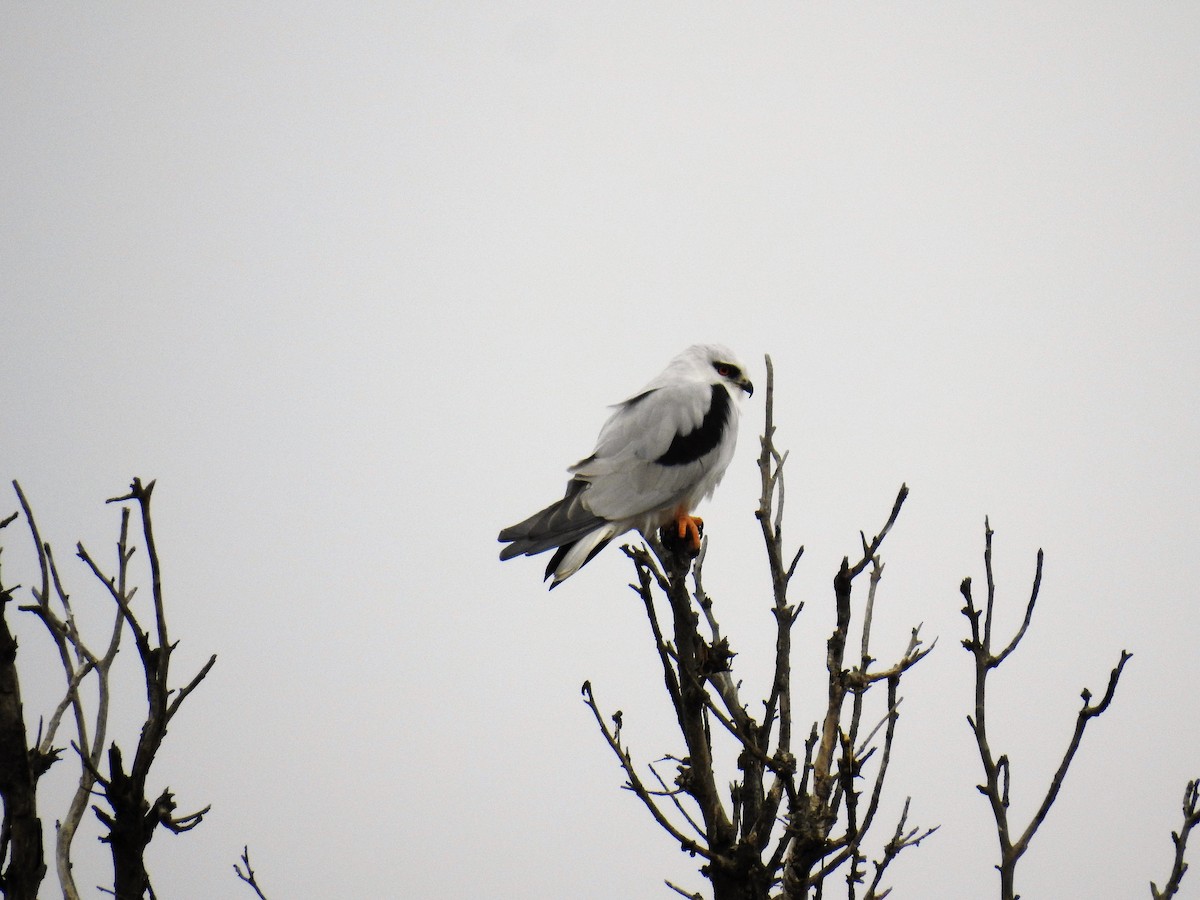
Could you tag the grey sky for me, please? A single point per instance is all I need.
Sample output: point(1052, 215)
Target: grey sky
point(355, 285)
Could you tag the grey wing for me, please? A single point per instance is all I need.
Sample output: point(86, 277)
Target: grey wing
point(627, 476)
point(559, 523)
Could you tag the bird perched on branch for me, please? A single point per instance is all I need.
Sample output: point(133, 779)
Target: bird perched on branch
point(660, 453)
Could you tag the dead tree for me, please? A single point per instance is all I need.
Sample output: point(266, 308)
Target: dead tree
point(792, 817)
point(20, 765)
point(131, 819)
point(997, 769)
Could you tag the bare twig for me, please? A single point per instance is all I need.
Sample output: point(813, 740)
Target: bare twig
point(674, 796)
point(677, 889)
point(635, 783)
point(247, 875)
point(1191, 818)
point(900, 841)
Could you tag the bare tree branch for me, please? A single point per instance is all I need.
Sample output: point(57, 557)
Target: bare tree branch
point(247, 875)
point(1191, 818)
point(131, 827)
point(900, 841)
point(1086, 713)
point(635, 783)
point(997, 771)
point(677, 889)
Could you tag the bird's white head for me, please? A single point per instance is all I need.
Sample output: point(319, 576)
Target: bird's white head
point(712, 364)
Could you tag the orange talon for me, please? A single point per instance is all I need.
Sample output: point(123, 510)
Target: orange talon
point(689, 528)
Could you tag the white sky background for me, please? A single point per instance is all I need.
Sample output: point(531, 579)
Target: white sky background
point(355, 286)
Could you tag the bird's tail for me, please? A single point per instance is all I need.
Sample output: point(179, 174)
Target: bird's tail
point(568, 527)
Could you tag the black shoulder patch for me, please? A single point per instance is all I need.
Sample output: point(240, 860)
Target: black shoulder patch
point(687, 448)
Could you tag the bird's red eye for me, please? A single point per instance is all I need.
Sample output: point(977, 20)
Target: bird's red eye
point(723, 369)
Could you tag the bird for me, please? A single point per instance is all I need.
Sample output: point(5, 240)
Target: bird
point(662, 451)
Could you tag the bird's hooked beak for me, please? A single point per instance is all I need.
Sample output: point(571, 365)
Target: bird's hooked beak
point(746, 385)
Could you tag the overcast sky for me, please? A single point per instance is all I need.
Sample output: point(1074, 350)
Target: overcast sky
point(355, 283)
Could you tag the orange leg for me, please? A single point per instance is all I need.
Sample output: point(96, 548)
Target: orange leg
point(689, 528)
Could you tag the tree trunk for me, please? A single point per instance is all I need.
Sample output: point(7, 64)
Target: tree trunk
point(18, 780)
